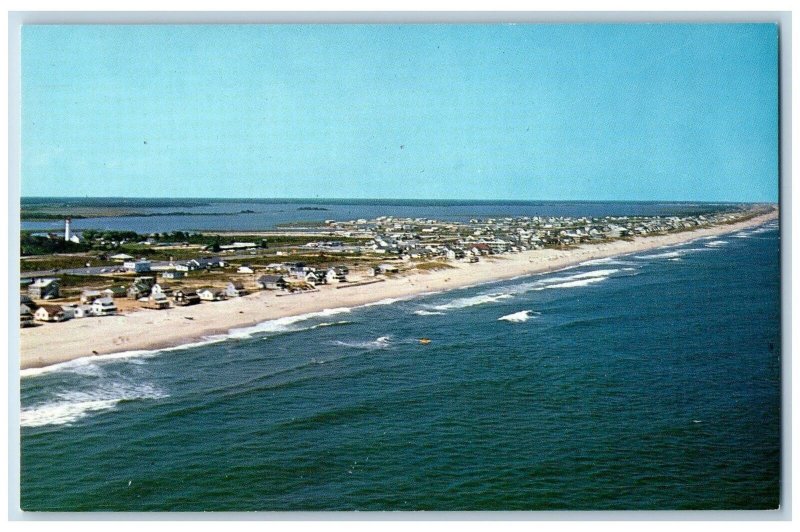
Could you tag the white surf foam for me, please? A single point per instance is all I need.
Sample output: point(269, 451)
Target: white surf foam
point(577, 283)
point(378, 343)
point(387, 301)
point(271, 326)
point(283, 324)
point(517, 317)
point(427, 313)
point(604, 262)
point(331, 324)
point(466, 302)
point(673, 254)
point(716, 243)
point(78, 363)
point(75, 405)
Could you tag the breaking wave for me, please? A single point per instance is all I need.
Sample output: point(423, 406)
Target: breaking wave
point(672, 254)
point(517, 317)
point(378, 343)
point(75, 405)
point(281, 325)
point(577, 283)
point(387, 301)
point(472, 301)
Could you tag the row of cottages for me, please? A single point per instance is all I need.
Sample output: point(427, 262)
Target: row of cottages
point(103, 306)
point(316, 277)
point(45, 288)
point(233, 289)
point(205, 263)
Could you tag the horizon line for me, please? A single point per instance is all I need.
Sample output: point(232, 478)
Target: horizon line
point(504, 200)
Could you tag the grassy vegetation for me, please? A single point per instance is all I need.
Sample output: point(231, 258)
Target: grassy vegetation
point(433, 266)
point(42, 216)
point(49, 262)
point(96, 281)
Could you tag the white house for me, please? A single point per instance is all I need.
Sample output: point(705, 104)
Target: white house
point(386, 268)
point(104, 307)
point(336, 274)
point(235, 289)
point(83, 311)
point(49, 313)
point(159, 288)
point(208, 294)
point(158, 300)
point(87, 296)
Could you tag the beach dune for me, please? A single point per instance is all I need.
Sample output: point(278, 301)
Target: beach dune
point(151, 329)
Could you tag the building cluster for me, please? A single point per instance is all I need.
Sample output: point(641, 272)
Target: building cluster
point(145, 289)
point(395, 238)
point(420, 238)
point(93, 303)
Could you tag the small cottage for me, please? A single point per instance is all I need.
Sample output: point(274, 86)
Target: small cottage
point(160, 288)
point(315, 278)
point(45, 288)
point(82, 311)
point(69, 311)
point(209, 294)
point(104, 306)
point(158, 301)
point(49, 313)
point(185, 298)
point(272, 282)
point(26, 318)
point(337, 273)
point(87, 296)
point(141, 287)
point(383, 269)
point(235, 289)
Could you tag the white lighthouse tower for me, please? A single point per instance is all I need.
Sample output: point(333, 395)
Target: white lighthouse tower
point(66, 229)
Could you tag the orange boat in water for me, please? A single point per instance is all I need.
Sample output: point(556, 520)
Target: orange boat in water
point(424, 340)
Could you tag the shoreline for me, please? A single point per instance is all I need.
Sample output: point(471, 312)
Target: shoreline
point(153, 330)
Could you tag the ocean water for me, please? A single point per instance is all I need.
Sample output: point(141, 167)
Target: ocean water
point(269, 214)
point(648, 381)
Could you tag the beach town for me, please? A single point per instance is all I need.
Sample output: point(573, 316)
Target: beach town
point(106, 299)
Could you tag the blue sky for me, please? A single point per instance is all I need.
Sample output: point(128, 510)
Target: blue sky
point(594, 112)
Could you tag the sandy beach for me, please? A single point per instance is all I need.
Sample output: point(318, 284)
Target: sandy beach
point(152, 329)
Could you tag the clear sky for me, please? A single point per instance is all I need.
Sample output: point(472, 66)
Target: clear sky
point(593, 112)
